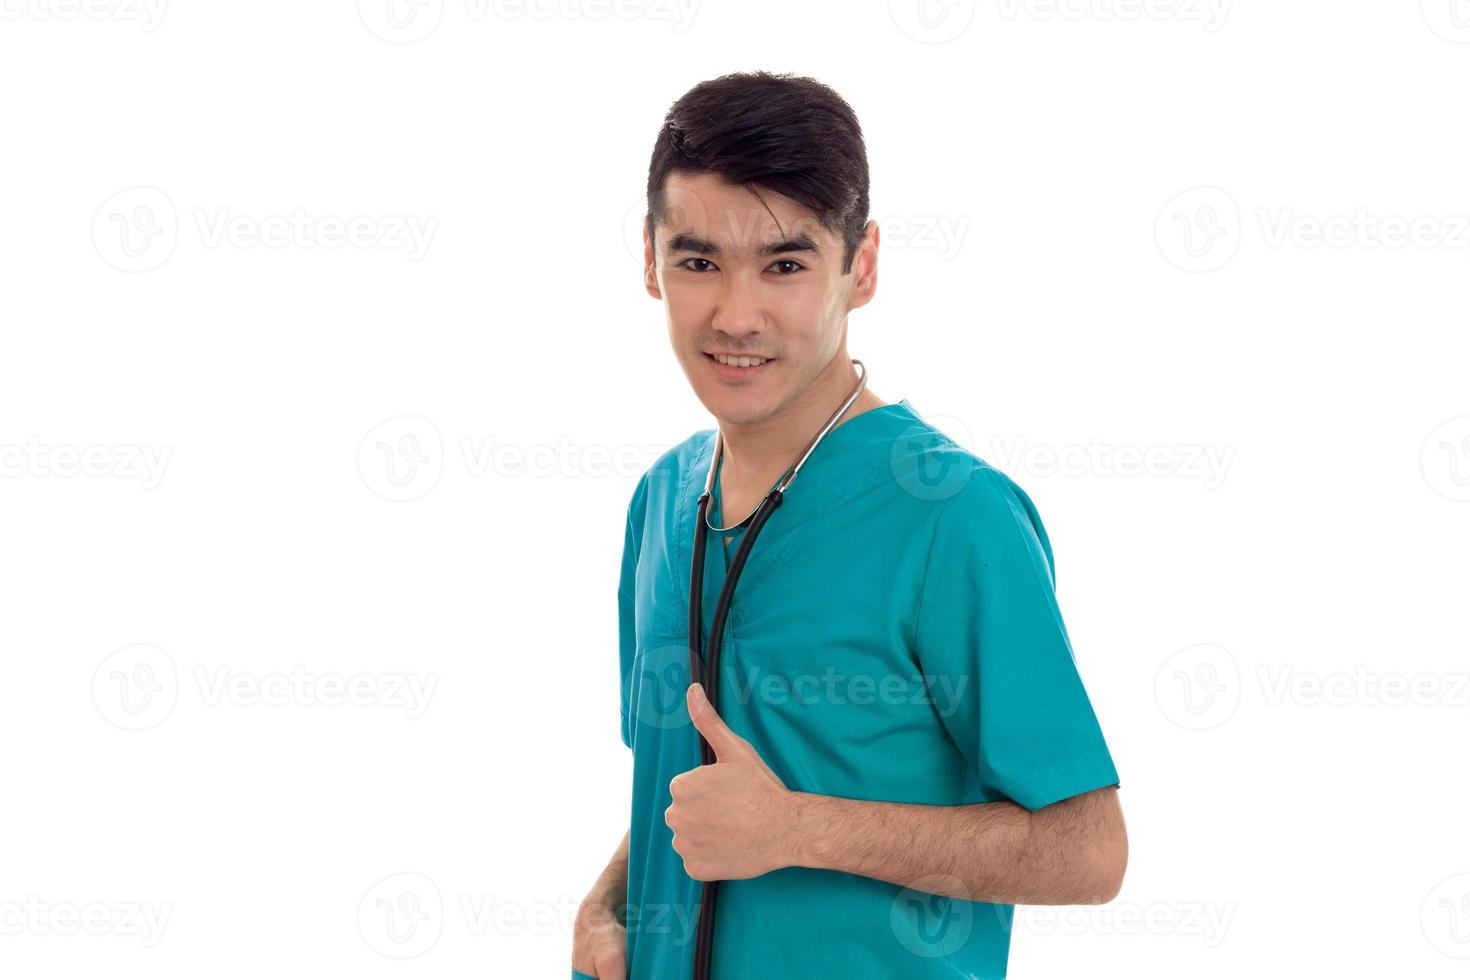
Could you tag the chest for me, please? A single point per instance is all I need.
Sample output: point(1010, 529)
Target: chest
point(735, 506)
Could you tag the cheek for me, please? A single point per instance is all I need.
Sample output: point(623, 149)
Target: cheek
point(688, 309)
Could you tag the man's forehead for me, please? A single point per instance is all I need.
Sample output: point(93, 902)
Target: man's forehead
point(689, 240)
point(733, 220)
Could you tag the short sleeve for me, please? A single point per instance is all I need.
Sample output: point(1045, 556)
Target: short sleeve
point(990, 628)
point(627, 610)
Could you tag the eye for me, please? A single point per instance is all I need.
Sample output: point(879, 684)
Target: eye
point(791, 262)
point(685, 264)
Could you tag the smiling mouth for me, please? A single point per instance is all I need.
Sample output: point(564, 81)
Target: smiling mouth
point(739, 363)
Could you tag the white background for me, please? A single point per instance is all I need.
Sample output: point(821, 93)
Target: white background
point(1053, 283)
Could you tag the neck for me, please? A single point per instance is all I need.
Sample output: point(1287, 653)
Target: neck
point(757, 453)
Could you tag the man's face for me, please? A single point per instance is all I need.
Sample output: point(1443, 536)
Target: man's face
point(738, 281)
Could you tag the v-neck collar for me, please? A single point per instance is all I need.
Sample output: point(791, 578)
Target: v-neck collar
point(823, 454)
point(828, 475)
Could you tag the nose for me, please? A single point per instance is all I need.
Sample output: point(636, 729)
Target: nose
point(739, 310)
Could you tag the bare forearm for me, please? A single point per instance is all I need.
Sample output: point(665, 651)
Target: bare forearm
point(611, 888)
point(1072, 852)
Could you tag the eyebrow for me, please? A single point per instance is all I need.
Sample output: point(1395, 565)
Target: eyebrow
point(688, 242)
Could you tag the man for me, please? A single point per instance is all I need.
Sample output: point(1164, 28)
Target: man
point(904, 747)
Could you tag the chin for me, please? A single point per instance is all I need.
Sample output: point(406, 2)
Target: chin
point(737, 407)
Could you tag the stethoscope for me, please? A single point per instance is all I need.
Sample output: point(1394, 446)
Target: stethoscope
point(707, 669)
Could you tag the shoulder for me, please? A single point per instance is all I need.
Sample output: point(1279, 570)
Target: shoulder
point(930, 464)
point(979, 512)
point(660, 484)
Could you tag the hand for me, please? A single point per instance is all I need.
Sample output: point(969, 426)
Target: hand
point(733, 818)
point(599, 943)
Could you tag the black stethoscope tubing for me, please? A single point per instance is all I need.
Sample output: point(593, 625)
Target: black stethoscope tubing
point(707, 668)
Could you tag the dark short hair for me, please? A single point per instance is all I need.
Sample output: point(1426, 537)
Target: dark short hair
point(783, 133)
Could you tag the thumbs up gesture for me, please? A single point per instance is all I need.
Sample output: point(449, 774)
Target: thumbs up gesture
point(734, 818)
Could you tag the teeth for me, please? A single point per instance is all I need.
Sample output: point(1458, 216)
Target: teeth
point(740, 361)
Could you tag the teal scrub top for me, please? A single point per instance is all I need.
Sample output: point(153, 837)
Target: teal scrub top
point(894, 635)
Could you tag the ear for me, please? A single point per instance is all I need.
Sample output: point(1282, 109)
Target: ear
point(650, 271)
point(864, 268)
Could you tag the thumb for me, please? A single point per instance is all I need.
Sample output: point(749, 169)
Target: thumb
point(725, 742)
